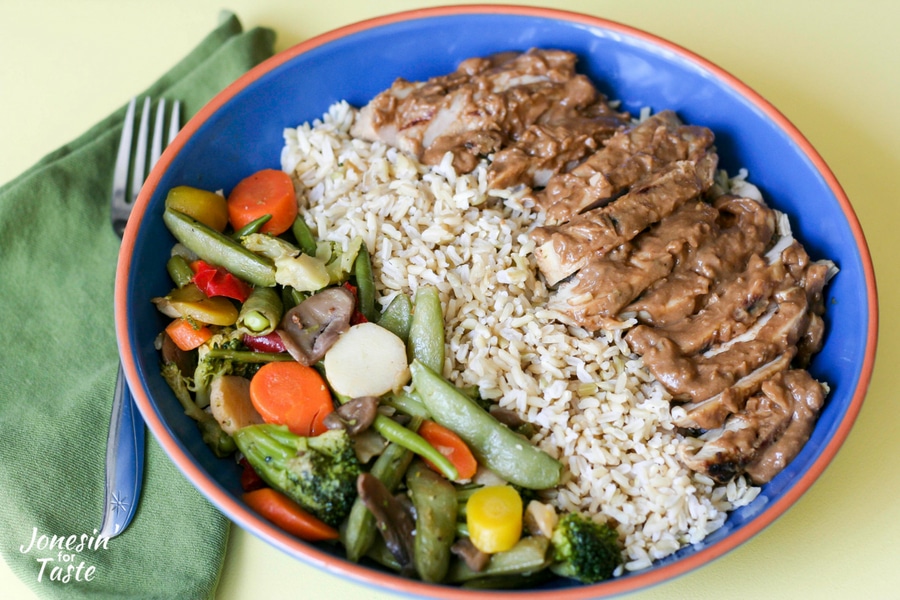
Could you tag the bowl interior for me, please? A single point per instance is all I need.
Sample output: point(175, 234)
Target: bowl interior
point(230, 139)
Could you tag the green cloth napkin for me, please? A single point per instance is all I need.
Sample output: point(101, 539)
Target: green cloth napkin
point(58, 368)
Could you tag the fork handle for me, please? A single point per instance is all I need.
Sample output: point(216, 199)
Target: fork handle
point(124, 461)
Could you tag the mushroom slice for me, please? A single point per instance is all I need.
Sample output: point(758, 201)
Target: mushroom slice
point(355, 416)
point(393, 518)
point(310, 328)
point(474, 558)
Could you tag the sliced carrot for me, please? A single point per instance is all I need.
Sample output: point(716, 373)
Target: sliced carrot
point(266, 192)
point(450, 445)
point(287, 514)
point(291, 394)
point(187, 335)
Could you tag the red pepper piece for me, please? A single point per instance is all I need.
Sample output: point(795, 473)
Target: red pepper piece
point(271, 342)
point(357, 316)
point(250, 479)
point(216, 281)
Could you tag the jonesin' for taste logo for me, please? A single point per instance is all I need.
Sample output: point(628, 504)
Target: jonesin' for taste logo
point(59, 555)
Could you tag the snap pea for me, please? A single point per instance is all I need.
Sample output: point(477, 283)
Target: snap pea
point(252, 227)
point(529, 555)
point(435, 501)
point(261, 313)
point(495, 445)
point(397, 317)
point(426, 330)
point(179, 270)
point(220, 249)
point(358, 533)
point(305, 238)
point(365, 283)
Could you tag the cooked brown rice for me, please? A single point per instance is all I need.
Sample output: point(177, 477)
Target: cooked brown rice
point(596, 407)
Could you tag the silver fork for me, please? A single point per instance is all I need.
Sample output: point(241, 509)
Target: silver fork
point(125, 443)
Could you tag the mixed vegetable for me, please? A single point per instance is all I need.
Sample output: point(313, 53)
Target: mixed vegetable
point(338, 413)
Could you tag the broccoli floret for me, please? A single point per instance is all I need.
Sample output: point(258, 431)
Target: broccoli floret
point(319, 473)
point(223, 354)
point(584, 549)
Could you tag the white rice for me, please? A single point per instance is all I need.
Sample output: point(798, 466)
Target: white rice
point(596, 407)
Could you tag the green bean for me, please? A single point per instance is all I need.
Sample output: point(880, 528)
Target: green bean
point(395, 432)
point(305, 238)
point(359, 533)
point(248, 356)
point(426, 330)
point(179, 270)
point(435, 501)
point(494, 445)
point(252, 227)
point(220, 249)
point(261, 313)
point(365, 283)
point(529, 555)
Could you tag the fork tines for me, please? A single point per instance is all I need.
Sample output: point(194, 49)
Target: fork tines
point(134, 153)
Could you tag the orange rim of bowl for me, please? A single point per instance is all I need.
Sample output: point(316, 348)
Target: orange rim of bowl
point(250, 521)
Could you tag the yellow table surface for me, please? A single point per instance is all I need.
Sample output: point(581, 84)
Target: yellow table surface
point(832, 67)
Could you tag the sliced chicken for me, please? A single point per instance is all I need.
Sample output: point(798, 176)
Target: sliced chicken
point(563, 249)
point(698, 377)
point(765, 435)
point(746, 228)
point(590, 299)
point(626, 158)
point(634, 223)
point(712, 412)
point(730, 312)
point(530, 110)
point(809, 397)
point(726, 452)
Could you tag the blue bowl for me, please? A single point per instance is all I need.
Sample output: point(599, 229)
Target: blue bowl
point(240, 131)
